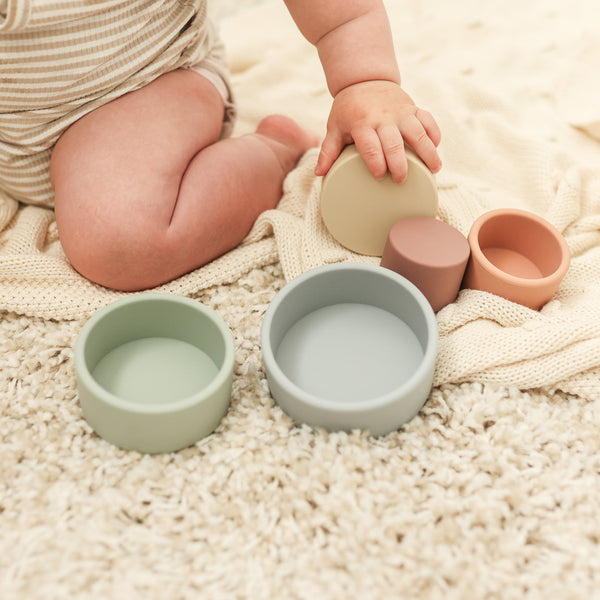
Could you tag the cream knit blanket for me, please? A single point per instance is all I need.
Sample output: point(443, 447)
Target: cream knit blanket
point(519, 129)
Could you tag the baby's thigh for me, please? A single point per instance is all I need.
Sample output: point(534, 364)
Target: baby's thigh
point(128, 156)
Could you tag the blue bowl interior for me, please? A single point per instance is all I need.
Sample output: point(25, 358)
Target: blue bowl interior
point(350, 335)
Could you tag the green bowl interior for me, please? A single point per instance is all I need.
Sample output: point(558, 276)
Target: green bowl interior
point(153, 350)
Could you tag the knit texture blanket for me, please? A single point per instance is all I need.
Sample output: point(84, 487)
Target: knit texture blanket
point(518, 131)
point(491, 491)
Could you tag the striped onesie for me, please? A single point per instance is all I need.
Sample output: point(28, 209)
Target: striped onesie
point(61, 59)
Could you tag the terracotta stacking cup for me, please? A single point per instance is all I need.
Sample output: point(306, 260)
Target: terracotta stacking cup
point(359, 210)
point(429, 253)
point(517, 255)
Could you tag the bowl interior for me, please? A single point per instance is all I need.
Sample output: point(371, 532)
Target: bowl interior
point(350, 335)
point(153, 350)
point(520, 245)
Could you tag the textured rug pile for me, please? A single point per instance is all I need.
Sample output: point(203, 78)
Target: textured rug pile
point(491, 491)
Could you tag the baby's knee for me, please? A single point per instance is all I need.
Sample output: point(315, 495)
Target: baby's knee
point(110, 254)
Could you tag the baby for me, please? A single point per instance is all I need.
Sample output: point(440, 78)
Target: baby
point(118, 114)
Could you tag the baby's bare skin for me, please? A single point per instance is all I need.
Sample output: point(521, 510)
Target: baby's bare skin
point(146, 191)
point(355, 45)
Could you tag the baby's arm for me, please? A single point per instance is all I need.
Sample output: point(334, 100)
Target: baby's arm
point(354, 41)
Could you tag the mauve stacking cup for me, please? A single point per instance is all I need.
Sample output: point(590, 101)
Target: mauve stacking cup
point(429, 253)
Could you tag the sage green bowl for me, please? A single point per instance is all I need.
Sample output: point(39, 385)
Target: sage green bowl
point(154, 372)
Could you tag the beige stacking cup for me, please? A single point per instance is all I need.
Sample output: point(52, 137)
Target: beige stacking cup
point(359, 210)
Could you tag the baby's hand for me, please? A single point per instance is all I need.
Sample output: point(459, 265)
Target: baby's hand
point(379, 116)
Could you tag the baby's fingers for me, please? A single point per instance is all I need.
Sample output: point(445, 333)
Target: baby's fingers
point(330, 150)
point(423, 135)
point(394, 152)
point(369, 147)
point(430, 125)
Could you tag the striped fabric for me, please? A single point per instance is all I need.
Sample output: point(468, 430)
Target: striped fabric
point(60, 59)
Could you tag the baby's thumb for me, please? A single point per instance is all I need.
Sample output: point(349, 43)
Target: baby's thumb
point(330, 150)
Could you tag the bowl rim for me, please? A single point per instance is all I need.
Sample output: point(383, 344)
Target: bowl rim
point(427, 362)
point(524, 282)
point(103, 396)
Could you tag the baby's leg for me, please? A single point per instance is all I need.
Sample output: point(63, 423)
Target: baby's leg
point(145, 191)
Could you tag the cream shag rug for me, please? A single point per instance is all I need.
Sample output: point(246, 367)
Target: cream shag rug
point(492, 491)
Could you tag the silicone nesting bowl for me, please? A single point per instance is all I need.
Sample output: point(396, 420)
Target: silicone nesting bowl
point(431, 254)
point(517, 255)
point(350, 346)
point(359, 210)
point(154, 372)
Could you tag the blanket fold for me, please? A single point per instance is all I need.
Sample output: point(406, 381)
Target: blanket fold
point(512, 137)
